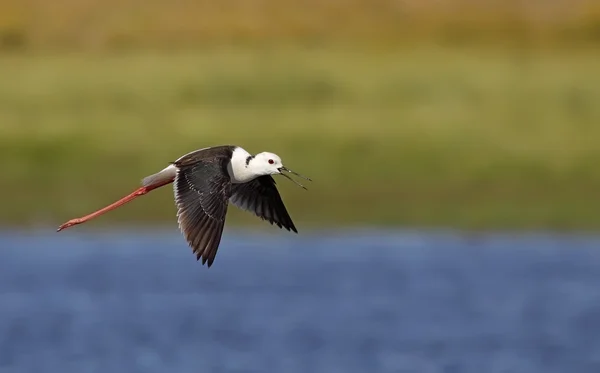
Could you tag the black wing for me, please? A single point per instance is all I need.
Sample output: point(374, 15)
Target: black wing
point(261, 197)
point(202, 192)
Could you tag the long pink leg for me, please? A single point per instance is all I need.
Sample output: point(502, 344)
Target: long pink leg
point(136, 193)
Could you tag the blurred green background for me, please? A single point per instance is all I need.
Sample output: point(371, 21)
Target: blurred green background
point(448, 113)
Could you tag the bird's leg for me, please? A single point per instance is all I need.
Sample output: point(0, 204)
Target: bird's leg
point(128, 198)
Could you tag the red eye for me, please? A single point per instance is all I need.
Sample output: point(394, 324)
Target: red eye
point(271, 161)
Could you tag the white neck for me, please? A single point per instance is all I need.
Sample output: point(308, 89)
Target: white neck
point(239, 172)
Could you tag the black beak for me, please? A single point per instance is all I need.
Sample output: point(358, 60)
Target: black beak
point(282, 169)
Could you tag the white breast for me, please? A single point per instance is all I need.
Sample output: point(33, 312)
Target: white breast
point(238, 169)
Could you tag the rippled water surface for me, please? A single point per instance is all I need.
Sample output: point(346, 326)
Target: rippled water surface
point(323, 302)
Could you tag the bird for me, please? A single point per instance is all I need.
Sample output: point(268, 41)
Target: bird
point(205, 181)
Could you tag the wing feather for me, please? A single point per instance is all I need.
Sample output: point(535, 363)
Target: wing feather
point(261, 197)
point(202, 191)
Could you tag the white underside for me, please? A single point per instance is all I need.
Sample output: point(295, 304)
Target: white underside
point(168, 173)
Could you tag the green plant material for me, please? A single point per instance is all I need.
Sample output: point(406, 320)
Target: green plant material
point(465, 138)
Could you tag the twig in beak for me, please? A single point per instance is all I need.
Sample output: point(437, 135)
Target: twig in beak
point(297, 174)
point(294, 181)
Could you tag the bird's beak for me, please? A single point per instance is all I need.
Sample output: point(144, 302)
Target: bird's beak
point(282, 169)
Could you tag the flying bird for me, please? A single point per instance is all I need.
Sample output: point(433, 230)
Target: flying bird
point(204, 182)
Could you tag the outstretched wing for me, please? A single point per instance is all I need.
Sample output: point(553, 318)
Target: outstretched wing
point(261, 197)
point(202, 192)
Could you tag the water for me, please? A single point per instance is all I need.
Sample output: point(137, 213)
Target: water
point(337, 302)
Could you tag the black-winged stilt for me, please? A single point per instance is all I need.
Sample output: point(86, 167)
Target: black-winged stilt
point(205, 181)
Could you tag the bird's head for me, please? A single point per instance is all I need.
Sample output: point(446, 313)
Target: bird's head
point(266, 163)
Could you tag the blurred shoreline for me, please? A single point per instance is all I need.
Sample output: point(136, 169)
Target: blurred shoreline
point(432, 137)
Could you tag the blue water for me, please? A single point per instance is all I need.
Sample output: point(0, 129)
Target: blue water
point(344, 302)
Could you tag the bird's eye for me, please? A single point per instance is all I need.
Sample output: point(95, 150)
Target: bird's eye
point(271, 161)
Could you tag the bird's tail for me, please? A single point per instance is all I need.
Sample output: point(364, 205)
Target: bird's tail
point(163, 177)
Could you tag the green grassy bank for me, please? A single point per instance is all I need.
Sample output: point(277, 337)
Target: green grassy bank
point(426, 136)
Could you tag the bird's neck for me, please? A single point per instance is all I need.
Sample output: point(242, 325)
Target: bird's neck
point(239, 168)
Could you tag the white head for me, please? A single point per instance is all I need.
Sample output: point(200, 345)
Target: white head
point(266, 163)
